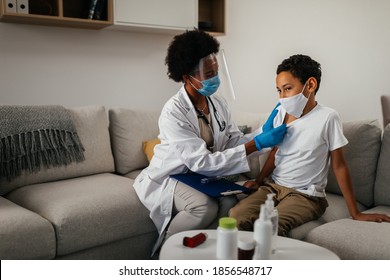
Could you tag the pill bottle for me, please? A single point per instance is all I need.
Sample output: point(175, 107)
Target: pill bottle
point(246, 248)
point(227, 239)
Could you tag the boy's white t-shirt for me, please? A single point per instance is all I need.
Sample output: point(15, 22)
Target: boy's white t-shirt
point(303, 157)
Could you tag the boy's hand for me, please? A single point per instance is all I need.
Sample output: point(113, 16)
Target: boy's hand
point(252, 185)
point(374, 217)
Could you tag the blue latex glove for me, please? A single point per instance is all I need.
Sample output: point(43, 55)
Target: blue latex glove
point(269, 124)
point(270, 138)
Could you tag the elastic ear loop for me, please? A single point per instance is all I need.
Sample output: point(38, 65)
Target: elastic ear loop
point(192, 83)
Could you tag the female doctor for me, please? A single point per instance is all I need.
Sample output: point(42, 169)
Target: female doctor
point(197, 134)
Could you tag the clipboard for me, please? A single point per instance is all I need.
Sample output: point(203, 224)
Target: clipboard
point(217, 188)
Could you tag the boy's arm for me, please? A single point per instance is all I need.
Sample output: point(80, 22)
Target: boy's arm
point(267, 169)
point(343, 177)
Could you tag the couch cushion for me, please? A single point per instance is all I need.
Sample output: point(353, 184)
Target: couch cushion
point(382, 183)
point(336, 210)
point(24, 234)
point(133, 248)
point(361, 155)
point(128, 130)
point(87, 211)
point(351, 239)
point(92, 127)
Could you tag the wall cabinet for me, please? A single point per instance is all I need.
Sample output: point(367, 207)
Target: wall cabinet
point(167, 15)
point(212, 16)
point(172, 16)
point(67, 13)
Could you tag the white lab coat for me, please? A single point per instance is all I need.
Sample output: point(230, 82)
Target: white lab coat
point(183, 149)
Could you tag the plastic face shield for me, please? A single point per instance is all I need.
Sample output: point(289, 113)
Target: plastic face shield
point(206, 69)
point(212, 65)
point(226, 89)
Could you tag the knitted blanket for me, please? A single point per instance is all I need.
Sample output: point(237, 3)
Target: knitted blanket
point(32, 137)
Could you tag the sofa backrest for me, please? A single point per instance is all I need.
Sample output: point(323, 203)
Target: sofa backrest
point(92, 127)
point(128, 130)
point(382, 183)
point(251, 120)
point(361, 154)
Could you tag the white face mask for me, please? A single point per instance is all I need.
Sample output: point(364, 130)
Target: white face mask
point(294, 105)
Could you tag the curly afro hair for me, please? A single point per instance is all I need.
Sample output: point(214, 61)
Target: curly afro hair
point(186, 50)
point(301, 67)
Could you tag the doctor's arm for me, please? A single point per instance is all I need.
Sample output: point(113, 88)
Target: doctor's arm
point(188, 147)
point(343, 177)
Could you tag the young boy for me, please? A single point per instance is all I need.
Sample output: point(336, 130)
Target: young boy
point(299, 165)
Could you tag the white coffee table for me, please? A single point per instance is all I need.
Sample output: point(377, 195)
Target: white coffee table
point(287, 248)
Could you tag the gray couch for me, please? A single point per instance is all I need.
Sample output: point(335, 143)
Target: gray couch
point(369, 161)
point(82, 211)
point(89, 210)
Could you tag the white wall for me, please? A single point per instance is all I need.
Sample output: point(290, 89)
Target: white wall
point(350, 38)
point(72, 67)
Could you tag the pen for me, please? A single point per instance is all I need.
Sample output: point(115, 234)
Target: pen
point(231, 192)
point(210, 179)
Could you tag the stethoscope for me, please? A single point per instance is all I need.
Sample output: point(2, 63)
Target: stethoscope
point(220, 121)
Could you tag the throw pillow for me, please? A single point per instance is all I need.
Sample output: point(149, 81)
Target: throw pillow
point(148, 147)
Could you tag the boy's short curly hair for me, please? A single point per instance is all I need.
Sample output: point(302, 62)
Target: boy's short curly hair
point(186, 50)
point(301, 67)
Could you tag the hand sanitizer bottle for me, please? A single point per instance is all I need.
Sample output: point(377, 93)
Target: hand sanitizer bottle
point(262, 235)
point(274, 217)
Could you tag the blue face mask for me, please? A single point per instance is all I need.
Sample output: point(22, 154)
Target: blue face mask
point(209, 86)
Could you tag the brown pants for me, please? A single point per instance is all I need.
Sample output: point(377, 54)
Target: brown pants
point(294, 208)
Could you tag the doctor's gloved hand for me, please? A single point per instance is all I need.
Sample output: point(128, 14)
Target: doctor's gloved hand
point(270, 138)
point(269, 124)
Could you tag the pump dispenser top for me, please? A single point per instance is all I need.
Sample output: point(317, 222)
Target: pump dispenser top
point(270, 202)
point(263, 213)
point(274, 217)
